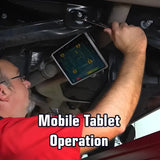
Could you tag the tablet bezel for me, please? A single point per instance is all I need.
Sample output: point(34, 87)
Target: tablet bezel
point(94, 47)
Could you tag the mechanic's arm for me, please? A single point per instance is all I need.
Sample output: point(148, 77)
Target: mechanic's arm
point(123, 97)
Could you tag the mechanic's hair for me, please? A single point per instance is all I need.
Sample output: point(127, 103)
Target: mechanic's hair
point(5, 79)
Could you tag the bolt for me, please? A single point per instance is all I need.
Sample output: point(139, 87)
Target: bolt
point(79, 14)
point(4, 16)
point(146, 24)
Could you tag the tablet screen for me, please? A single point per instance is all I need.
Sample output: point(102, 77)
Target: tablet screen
point(79, 58)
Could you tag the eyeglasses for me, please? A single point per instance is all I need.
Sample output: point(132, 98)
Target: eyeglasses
point(20, 77)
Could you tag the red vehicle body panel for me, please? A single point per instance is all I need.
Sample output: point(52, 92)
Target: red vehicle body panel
point(145, 148)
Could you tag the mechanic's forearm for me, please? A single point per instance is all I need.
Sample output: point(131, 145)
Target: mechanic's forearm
point(122, 98)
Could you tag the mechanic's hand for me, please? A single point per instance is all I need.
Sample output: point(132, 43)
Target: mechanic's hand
point(129, 39)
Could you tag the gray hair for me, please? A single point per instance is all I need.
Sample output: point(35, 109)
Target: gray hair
point(4, 79)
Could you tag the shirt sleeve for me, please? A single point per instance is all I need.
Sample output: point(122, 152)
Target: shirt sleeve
point(21, 138)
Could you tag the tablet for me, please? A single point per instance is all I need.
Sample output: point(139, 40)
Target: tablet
point(79, 59)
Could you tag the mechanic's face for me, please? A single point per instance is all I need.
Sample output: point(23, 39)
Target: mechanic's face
point(18, 98)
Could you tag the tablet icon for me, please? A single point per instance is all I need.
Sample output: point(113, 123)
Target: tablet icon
point(62, 55)
point(78, 45)
point(74, 71)
point(89, 61)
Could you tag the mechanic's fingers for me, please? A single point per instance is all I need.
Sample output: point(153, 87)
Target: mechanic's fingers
point(111, 31)
point(123, 25)
point(115, 26)
point(131, 25)
point(115, 29)
point(108, 31)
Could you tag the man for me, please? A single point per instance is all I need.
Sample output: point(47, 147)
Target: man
point(21, 138)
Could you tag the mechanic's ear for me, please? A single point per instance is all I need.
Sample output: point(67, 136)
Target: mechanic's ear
point(4, 93)
point(27, 84)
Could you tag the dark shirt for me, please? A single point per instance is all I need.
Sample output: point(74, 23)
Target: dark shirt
point(1, 117)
